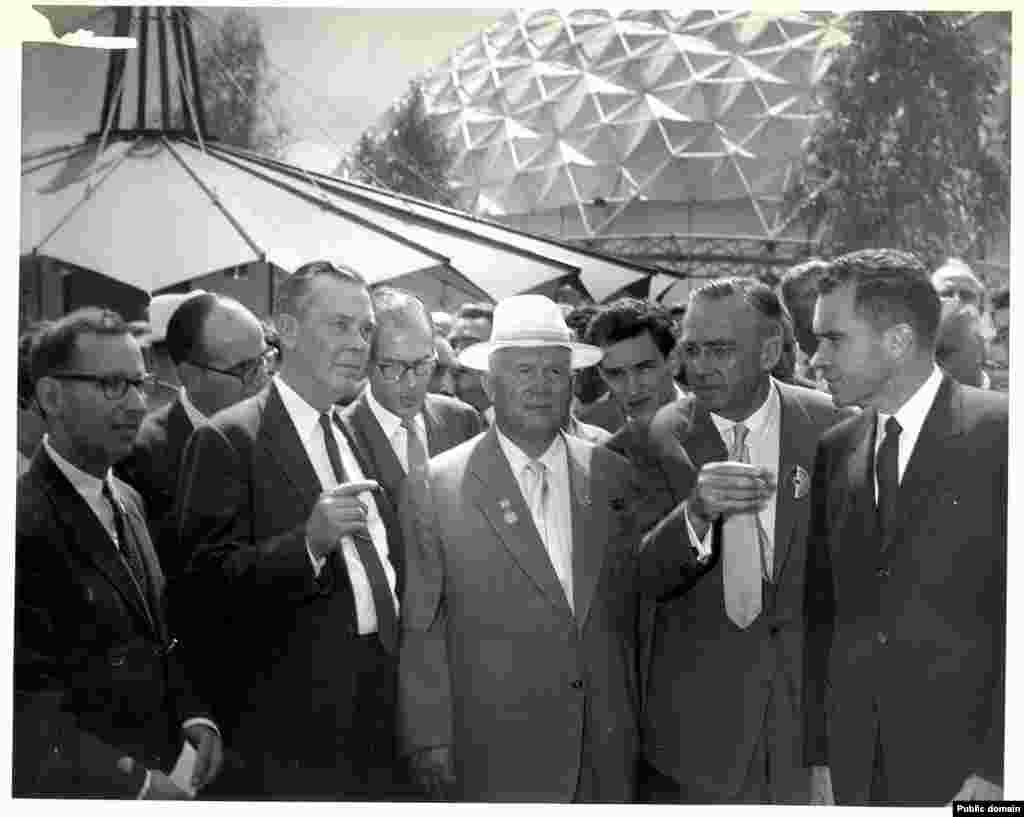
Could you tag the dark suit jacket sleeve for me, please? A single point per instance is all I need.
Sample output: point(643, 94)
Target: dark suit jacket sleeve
point(424, 691)
point(216, 522)
point(819, 611)
point(52, 754)
point(990, 762)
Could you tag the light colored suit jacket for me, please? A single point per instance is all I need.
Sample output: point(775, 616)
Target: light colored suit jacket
point(494, 663)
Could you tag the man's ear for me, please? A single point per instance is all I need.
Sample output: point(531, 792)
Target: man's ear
point(898, 341)
point(50, 396)
point(287, 329)
point(771, 351)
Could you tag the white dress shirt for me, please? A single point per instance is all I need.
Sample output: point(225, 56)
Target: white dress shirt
point(90, 488)
point(911, 416)
point(306, 421)
point(391, 424)
point(556, 529)
point(763, 429)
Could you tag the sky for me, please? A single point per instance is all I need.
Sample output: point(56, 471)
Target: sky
point(337, 69)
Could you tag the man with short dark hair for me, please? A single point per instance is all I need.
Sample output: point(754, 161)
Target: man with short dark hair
point(722, 720)
point(218, 349)
point(102, 705)
point(906, 562)
point(396, 405)
point(299, 615)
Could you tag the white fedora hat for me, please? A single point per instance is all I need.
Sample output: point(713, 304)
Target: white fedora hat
point(529, 321)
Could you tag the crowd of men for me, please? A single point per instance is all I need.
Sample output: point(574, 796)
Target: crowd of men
point(751, 550)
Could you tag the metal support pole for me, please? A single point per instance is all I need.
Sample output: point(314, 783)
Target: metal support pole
point(190, 48)
point(165, 88)
point(115, 64)
point(140, 118)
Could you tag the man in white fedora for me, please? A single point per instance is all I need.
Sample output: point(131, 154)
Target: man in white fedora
point(517, 666)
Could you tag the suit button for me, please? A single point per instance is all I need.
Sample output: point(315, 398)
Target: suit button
point(577, 684)
point(774, 630)
point(882, 572)
point(883, 639)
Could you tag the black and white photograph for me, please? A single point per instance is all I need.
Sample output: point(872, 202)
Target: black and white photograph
point(511, 405)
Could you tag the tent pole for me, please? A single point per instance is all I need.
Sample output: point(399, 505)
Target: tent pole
point(140, 118)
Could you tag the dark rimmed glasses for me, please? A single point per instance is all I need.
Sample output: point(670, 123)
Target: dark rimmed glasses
point(247, 371)
point(113, 386)
point(394, 370)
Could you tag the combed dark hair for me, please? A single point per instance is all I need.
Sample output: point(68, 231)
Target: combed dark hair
point(55, 343)
point(293, 290)
point(396, 307)
point(890, 287)
point(628, 318)
point(476, 310)
point(1000, 299)
point(27, 383)
point(184, 339)
point(579, 318)
point(765, 301)
point(802, 280)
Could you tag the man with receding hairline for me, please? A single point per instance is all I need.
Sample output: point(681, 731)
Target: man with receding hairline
point(298, 617)
point(218, 349)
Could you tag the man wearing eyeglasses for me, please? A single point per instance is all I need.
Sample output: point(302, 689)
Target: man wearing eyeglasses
point(722, 721)
point(102, 705)
point(218, 349)
point(397, 404)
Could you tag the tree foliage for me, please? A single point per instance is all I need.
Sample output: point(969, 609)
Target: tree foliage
point(411, 155)
point(907, 152)
point(238, 93)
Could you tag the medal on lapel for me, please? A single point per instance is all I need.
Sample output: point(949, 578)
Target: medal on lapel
point(801, 482)
point(510, 516)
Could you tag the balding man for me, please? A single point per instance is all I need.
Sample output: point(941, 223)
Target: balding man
point(220, 356)
point(955, 279)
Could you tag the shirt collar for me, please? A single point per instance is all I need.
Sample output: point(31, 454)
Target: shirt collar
point(390, 422)
point(518, 459)
point(193, 414)
point(90, 487)
point(305, 418)
point(758, 422)
point(912, 414)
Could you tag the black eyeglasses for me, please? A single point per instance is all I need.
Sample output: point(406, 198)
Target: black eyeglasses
point(247, 371)
point(395, 370)
point(113, 386)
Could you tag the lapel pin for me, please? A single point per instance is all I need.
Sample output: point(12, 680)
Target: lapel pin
point(510, 516)
point(801, 482)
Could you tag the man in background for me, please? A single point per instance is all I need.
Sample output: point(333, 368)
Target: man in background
point(473, 323)
point(960, 344)
point(220, 357)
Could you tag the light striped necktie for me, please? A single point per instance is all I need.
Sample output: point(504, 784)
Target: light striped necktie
point(744, 551)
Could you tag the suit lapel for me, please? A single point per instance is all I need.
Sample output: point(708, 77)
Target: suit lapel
point(90, 536)
point(154, 577)
point(928, 462)
point(698, 434)
point(858, 496)
point(282, 444)
point(436, 437)
point(496, 493)
point(797, 443)
point(179, 426)
point(372, 449)
point(589, 528)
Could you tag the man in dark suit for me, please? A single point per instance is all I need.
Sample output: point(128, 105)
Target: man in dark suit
point(101, 703)
point(294, 589)
point(396, 404)
point(722, 720)
point(906, 574)
point(217, 347)
point(638, 340)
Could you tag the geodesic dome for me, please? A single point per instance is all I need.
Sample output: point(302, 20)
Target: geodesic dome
point(590, 123)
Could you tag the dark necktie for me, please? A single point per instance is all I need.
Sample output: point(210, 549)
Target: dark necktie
point(127, 549)
point(387, 619)
point(887, 470)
